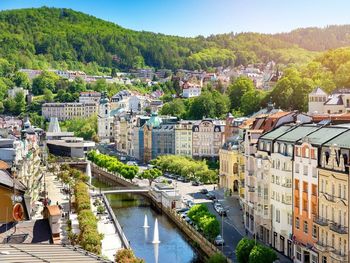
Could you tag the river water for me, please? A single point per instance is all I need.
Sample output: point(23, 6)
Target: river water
point(130, 210)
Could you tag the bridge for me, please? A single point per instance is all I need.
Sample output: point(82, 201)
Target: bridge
point(124, 190)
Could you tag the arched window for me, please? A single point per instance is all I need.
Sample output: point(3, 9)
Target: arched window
point(307, 152)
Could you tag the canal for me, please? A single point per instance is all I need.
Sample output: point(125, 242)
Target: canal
point(130, 210)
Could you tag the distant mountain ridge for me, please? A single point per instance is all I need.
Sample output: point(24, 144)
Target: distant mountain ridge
point(63, 38)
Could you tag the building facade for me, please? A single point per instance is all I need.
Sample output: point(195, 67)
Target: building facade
point(208, 138)
point(183, 138)
point(333, 192)
point(69, 110)
point(104, 120)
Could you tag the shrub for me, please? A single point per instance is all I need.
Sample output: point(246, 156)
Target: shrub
point(262, 254)
point(127, 256)
point(243, 249)
point(217, 258)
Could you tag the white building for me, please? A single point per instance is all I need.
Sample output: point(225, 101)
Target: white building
point(89, 97)
point(12, 92)
point(190, 90)
point(104, 120)
point(336, 103)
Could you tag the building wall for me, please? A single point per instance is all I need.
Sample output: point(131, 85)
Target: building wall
point(305, 189)
point(183, 139)
point(231, 169)
point(68, 111)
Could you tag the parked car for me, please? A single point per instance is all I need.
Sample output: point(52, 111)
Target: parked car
point(182, 210)
point(181, 179)
point(188, 220)
point(184, 214)
point(219, 241)
point(189, 203)
point(211, 196)
point(217, 206)
point(204, 191)
point(132, 163)
point(186, 180)
point(195, 183)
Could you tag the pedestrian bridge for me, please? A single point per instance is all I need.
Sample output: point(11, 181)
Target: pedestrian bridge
point(124, 190)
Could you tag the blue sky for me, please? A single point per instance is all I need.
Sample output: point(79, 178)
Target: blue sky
point(205, 17)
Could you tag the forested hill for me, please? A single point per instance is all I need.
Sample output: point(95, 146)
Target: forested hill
point(63, 38)
point(318, 39)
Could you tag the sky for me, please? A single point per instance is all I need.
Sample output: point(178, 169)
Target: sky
point(205, 17)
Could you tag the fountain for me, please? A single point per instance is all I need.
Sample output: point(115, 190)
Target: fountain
point(156, 233)
point(156, 252)
point(145, 224)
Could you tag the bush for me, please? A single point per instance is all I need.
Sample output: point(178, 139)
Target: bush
point(243, 249)
point(127, 256)
point(262, 254)
point(101, 209)
point(217, 258)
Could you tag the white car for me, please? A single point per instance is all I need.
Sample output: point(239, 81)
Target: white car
point(219, 241)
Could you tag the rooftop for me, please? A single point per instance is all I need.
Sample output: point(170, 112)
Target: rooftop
point(274, 134)
point(341, 140)
point(323, 135)
point(298, 133)
point(34, 253)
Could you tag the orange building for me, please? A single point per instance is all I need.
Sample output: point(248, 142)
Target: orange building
point(305, 189)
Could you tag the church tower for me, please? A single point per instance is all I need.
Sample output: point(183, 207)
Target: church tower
point(104, 120)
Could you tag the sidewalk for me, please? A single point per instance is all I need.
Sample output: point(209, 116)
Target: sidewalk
point(235, 217)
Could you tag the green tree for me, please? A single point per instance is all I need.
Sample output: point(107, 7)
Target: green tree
point(251, 101)
point(262, 254)
point(47, 80)
point(151, 174)
point(237, 89)
point(20, 103)
point(243, 249)
point(21, 79)
point(174, 108)
point(37, 120)
point(48, 95)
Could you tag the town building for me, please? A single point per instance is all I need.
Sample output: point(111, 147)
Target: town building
point(183, 138)
point(333, 198)
point(104, 120)
point(74, 147)
point(305, 190)
point(336, 103)
point(208, 138)
point(190, 90)
point(69, 110)
point(231, 173)
point(12, 92)
point(89, 97)
point(158, 137)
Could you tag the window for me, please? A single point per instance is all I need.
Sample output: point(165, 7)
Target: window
point(278, 219)
point(344, 192)
point(306, 227)
point(314, 172)
point(314, 259)
point(314, 189)
point(305, 170)
point(298, 250)
point(305, 186)
point(314, 231)
point(297, 222)
point(324, 259)
point(297, 168)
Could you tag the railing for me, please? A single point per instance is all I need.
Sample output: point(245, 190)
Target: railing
point(340, 229)
point(320, 221)
point(123, 238)
point(338, 255)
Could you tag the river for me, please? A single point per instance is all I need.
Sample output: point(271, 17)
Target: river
point(130, 210)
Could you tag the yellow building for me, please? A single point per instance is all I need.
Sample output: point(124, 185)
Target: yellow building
point(232, 167)
point(183, 138)
point(332, 224)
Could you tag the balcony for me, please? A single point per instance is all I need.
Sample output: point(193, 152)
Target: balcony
point(338, 228)
point(320, 221)
point(339, 255)
point(320, 246)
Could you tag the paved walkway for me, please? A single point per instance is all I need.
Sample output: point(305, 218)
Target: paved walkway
point(111, 241)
